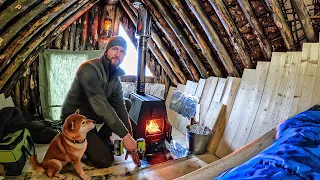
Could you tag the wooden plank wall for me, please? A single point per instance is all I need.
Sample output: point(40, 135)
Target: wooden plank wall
point(241, 110)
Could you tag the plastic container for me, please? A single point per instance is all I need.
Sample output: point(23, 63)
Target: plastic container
point(197, 143)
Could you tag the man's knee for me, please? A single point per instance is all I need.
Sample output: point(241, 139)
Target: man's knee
point(128, 104)
point(103, 162)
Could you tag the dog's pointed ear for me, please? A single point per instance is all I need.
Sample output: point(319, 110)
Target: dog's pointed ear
point(71, 125)
point(77, 111)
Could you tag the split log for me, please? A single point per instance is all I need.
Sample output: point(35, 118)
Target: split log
point(33, 99)
point(280, 21)
point(17, 95)
point(207, 52)
point(181, 36)
point(25, 90)
point(180, 50)
point(85, 30)
point(78, 35)
point(95, 13)
point(214, 39)
point(232, 31)
point(66, 35)
point(163, 63)
point(257, 29)
point(171, 60)
point(72, 36)
point(117, 20)
point(2, 2)
point(26, 35)
point(15, 9)
point(14, 29)
point(304, 19)
point(27, 56)
point(57, 42)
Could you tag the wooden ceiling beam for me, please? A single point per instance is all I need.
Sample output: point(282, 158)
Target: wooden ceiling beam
point(232, 30)
point(14, 29)
point(180, 50)
point(281, 23)
point(161, 55)
point(39, 43)
point(214, 39)
point(257, 29)
point(27, 34)
point(206, 50)
point(164, 11)
point(304, 19)
point(15, 9)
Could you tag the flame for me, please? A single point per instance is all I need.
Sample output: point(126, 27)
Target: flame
point(152, 127)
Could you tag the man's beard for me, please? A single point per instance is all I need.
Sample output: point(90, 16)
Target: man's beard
point(114, 65)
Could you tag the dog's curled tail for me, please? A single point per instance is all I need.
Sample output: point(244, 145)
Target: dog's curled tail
point(35, 164)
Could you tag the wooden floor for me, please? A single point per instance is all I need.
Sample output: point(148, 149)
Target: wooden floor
point(126, 169)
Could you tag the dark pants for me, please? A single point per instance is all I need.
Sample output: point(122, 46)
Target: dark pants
point(98, 150)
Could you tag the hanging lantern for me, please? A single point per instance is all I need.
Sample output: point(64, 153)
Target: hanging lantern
point(107, 27)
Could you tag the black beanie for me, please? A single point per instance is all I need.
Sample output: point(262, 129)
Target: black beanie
point(116, 41)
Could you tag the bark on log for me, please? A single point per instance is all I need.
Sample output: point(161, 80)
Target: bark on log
point(25, 90)
point(15, 9)
point(257, 29)
point(117, 20)
point(66, 35)
point(164, 64)
point(57, 42)
point(85, 30)
point(25, 36)
point(212, 35)
point(95, 13)
point(180, 50)
point(14, 29)
point(78, 35)
point(304, 19)
point(42, 41)
point(72, 36)
point(171, 61)
point(207, 52)
point(181, 36)
point(17, 95)
point(280, 21)
point(232, 30)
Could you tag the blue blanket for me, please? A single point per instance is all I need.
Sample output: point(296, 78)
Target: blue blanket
point(295, 154)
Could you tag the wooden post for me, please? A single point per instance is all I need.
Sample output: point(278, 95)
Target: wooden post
point(72, 36)
point(66, 35)
point(117, 20)
point(180, 50)
point(171, 61)
point(304, 19)
point(207, 52)
point(26, 35)
point(58, 40)
point(26, 58)
point(85, 30)
point(17, 95)
point(95, 13)
point(214, 39)
point(257, 29)
point(77, 45)
point(14, 29)
point(281, 22)
point(181, 36)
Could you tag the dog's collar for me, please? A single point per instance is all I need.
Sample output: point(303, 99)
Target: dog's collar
point(75, 141)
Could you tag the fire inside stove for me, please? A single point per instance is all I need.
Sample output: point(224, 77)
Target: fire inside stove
point(154, 127)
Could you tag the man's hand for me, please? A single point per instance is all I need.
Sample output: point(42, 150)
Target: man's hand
point(131, 146)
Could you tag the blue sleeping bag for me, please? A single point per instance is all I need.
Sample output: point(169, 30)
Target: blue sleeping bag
point(295, 154)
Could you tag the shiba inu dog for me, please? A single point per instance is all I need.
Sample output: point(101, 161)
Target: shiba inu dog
point(68, 146)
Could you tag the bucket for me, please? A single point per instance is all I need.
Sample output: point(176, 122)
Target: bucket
point(197, 143)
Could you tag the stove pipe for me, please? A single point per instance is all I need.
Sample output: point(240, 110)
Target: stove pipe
point(143, 32)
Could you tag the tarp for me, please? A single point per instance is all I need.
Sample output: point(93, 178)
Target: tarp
point(295, 154)
point(57, 69)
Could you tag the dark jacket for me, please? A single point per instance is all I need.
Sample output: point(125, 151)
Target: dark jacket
point(99, 96)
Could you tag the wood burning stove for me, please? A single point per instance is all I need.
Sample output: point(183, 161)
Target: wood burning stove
point(148, 113)
point(149, 119)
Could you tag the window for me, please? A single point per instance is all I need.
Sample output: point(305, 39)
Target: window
point(130, 62)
